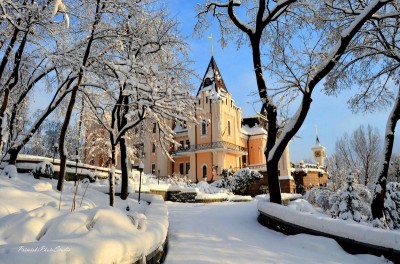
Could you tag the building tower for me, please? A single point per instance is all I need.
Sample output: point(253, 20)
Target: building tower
point(319, 153)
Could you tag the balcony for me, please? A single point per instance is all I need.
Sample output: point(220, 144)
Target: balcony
point(211, 146)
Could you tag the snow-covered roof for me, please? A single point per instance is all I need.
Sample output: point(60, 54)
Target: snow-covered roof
point(212, 80)
point(179, 129)
point(255, 130)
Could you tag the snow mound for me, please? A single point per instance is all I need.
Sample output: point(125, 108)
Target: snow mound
point(302, 205)
point(9, 171)
point(26, 226)
point(42, 187)
point(206, 188)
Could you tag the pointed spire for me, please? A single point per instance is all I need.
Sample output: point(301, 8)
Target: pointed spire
point(212, 45)
point(316, 133)
point(212, 79)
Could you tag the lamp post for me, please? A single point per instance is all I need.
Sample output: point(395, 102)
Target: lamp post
point(55, 148)
point(141, 167)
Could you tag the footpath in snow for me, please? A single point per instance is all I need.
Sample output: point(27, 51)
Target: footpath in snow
point(229, 233)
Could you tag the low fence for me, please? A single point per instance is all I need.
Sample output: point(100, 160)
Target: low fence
point(349, 244)
point(26, 163)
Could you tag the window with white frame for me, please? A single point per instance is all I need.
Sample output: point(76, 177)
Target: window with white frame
point(204, 127)
point(204, 171)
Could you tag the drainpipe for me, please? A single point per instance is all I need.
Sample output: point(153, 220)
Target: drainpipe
point(195, 144)
point(212, 153)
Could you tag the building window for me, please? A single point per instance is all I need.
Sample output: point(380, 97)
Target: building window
point(181, 168)
point(204, 127)
point(153, 168)
point(182, 144)
point(229, 128)
point(187, 167)
point(187, 144)
point(204, 171)
point(154, 127)
point(207, 82)
point(153, 149)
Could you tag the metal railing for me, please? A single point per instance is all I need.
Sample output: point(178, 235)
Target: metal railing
point(213, 145)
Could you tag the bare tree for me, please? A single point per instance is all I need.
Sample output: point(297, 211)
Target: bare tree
point(28, 59)
point(359, 153)
point(372, 62)
point(394, 168)
point(263, 24)
point(147, 79)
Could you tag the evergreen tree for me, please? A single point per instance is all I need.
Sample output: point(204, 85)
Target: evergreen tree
point(348, 204)
point(392, 205)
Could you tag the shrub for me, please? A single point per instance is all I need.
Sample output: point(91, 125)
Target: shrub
point(320, 196)
point(43, 169)
point(349, 204)
point(9, 171)
point(238, 182)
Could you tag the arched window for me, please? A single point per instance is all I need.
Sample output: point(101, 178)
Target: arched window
point(229, 128)
point(204, 171)
point(204, 127)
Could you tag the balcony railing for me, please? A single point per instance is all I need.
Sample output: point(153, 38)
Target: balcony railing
point(213, 145)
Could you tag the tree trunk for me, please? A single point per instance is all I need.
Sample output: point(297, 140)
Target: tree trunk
point(13, 155)
point(111, 177)
point(271, 111)
point(61, 141)
point(124, 169)
point(380, 186)
point(3, 119)
point(63, 156)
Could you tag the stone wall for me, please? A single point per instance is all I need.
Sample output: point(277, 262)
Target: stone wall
point(182, 197)
point(350, 245)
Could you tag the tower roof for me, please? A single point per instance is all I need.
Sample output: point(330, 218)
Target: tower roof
point(212, 80)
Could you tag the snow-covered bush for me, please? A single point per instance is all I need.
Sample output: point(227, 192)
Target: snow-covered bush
point(238, 182)
point(180, 180)
point(319, 196)
point(43, 169)
point(9, 171)
point(206, 188)
point(392, 205)
point(92, 176)
point(349, 202)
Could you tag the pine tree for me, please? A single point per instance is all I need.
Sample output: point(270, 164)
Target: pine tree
point(392, 205)
point(347, 204)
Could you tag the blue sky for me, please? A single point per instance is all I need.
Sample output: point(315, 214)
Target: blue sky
point(329, 113)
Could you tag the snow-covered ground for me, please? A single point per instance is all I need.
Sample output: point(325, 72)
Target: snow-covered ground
point(34, 230)
point(229, 233)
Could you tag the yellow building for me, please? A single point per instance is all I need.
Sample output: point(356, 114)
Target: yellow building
point(223, 140)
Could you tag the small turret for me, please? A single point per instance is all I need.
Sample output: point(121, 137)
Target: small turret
point(319, 153)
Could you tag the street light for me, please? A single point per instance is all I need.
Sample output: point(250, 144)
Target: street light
point(141, 167)
point(55, 148)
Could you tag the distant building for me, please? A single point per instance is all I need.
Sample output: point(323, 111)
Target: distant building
point(222, 141)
